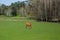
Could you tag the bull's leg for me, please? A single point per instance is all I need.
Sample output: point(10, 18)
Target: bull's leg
point(30, 27)
point(26, 27)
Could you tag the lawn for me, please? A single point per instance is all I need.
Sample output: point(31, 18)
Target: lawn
point(15, 30)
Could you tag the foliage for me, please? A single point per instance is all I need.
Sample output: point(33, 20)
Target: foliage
point(13, 9)
point(45, 9)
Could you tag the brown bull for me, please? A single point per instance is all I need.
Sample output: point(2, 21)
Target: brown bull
point(28, 24)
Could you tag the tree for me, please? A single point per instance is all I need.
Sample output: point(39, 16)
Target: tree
point(45, 9)
point(38, 7)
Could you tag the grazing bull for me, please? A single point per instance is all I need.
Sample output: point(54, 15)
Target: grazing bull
point(28, 24)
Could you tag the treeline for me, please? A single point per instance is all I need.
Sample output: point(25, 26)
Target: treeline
point(14, 9)
point(40, 10)
point(45, 10)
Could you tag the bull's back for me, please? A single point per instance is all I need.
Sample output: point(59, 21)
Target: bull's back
point(28, 24)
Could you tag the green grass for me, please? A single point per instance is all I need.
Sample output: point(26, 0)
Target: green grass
point(15, 30)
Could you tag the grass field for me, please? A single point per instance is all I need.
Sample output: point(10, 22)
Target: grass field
point(15, 30)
